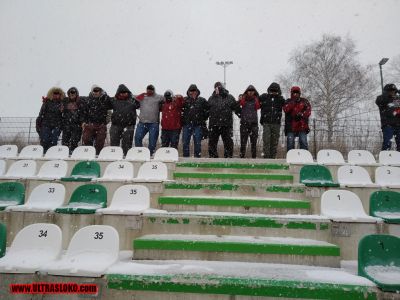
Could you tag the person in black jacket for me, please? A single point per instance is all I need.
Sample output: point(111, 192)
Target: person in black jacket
point(389, 109)
point(49, 121)
point(271, 114)
point(221, 104)
point(194, 116)
point(123, 118)
point(71, 120)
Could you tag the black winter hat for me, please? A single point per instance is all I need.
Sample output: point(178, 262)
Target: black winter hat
point(390, 87)
point(218, 84)
point(73, 89)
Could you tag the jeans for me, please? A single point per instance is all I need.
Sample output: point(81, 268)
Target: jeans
point(170, 138)
point(122, 136)
point(144, 128)
point(388, 133)
point(188, 131)
point(49, 137)
point(270, 139)
point(302, 140)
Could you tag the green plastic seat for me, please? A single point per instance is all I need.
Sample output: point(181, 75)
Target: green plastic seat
point(379, 260)
point(385, 205)
point(84, 171)
point(316, 175)
point(11, 193)
point(86, 199)
point(3, 239)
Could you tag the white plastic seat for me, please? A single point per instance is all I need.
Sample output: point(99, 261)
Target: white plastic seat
point(166, 154)
point(31, 152)
point(128, 199)
point(299, 156)
point(354, 176)
point(152, 171)
point(53, 169)
point(138, 154)
point(3, 167)
point(389, 158)
point(111, 153)
point(84, 153)
point(117, 171)
point(388, 176)
point(21, 169)
point(361, 157)
point(346, 206)
point(330, 157)
point(8, 151)
point(43, 198)
point(92, 250)
point(33, 246)
point(57, 152)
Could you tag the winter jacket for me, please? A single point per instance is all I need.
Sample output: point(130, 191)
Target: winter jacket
point(389, 108)
point(172, 114)
point(195, 111)
point(72, 110)
point(297, 113)
point(124, 110)
point(50, 114)
point(249, 106)
point(150, 107)
point(271, 106)
point(94, 109)
point(221, 107)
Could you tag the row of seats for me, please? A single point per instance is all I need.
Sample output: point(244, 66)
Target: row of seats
point(334, 157)
point(84, 171)
point(165, 154)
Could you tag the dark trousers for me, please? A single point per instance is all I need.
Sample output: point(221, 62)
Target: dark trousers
point(246, 131)
point(49, 137)
point(213, 136)
point(94, 135)
point(71, 135)
point(170, 138)
point(122, 136)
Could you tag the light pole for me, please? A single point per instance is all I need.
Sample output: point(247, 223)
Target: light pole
point(224, 64)
point(381, 63)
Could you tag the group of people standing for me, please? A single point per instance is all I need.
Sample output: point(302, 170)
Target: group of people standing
point(86, 118)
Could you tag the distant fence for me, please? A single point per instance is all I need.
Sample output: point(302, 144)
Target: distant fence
point(347, 134)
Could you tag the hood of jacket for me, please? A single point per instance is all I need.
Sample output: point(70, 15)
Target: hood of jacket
point(251, 87)
point(122, 88)
point(73, 89)
point(192, 87)
point(53, 90)
point(274, 86)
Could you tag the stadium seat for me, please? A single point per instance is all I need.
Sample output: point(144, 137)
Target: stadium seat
point(354, 176)
point(111, 153)
point(385, 205)
point(166, 154)
point(138, 154)
point(361, 157)
point(330, 157)
point(84, 153)
point(2, 167)
point(316, 175)
point(8, 151)
point(387, 176)
point(85, 200)
point(3, 239)
point(43, 198)
point(92, 250)
point(33, 246)
point(53, 169)
point(379, 261)
point(117, 171)
point(11, 193)
point(299, 156)
point(57, 152)
point(128, 200)
point(31, 152)
point(391, 158)
point(155, 171)
point(84, 171)
point(344, 206)
point(21, 169)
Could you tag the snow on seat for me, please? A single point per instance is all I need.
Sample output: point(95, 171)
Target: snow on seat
point(57, 152)
point(84, 171)
point(11, 193)
point(361, 157)
point(2, 167)
point(111, 153)
point(33, 246)
point(388, 176)
point(379, 260)
point(52, 170)
point(3, 239)
point(391, 158)
point(299, 157)
point(385, 205)
point(21, 169)
point(117, 171)
point(92, 250)
point(31, 152)
point(128, 200)
point(84, 153)
point(43, 198)
point(166, 154)
point(138, 154)
point(354, 176)
point(8, 151)
point(316, 175)
point(154, 171)
point(330, 157)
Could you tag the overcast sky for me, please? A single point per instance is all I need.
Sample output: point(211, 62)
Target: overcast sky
point(172, 44)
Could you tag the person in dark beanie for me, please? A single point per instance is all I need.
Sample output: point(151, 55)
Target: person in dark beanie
point(194, 116)
point(171, 122)
point(49, 121)
point(94, 116)
point(271, 114)
point(71, 119)
point(297, 111)
point(221, 104)
point(249, 121)
point(123, 118)
point(389, 110)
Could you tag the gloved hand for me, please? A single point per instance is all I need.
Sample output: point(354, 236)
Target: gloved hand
point(298, 117)
point(396, 112)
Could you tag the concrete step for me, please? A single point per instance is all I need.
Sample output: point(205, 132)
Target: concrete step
point(235, 204)
point(232, 177)
point(237, 248)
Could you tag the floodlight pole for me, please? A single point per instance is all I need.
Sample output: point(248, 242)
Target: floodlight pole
point(224, 64)
point(381, 63)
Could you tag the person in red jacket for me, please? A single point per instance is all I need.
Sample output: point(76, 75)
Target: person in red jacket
point(297, 111)
point(171, 123)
